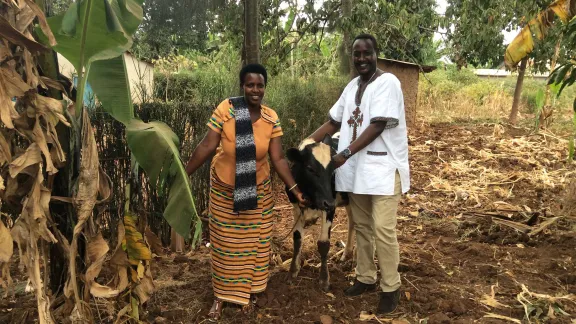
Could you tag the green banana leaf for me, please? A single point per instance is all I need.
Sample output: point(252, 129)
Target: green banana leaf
point(94, 30)
point(154, 145)
point(108, 79)
point(162, 166)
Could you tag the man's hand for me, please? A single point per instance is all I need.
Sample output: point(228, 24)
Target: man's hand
point(339, 160)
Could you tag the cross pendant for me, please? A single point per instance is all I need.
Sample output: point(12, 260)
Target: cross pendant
point(355, 121)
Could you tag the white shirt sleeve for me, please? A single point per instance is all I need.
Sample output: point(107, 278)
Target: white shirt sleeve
point(386, 102)
point(337, 111)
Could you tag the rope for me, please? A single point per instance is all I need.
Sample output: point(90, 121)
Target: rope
point(293, 227)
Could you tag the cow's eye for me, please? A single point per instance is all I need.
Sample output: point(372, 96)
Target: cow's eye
point(310, 169)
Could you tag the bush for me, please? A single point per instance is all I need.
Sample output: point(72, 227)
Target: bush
point(453, 95)
point(302, 104)
point(199, 87)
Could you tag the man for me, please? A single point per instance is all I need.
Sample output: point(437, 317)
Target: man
point(372, 166)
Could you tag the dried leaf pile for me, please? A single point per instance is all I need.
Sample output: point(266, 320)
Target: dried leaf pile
point(483, 172)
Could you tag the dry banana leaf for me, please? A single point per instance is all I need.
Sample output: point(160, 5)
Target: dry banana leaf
point(15, 37)
point(11, 85)
point(5, 152)
point(30, 157)
point(42, 20)
point(6, 244)
point(84, 202)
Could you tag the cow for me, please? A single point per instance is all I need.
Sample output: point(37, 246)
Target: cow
point(313, 170)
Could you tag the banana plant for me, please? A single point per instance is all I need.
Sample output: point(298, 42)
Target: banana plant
point(523, 43)
point(93, 35)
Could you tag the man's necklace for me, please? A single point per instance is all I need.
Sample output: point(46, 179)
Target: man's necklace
point(361, 89)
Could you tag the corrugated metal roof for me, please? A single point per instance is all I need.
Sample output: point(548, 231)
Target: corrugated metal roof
point(425, 68)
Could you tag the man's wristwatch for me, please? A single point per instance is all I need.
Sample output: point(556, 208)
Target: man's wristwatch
point(346, 153)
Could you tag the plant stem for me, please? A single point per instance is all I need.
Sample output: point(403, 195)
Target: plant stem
point(82, 75)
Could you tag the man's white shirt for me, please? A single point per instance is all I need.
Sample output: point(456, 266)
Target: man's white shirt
point(372, 170)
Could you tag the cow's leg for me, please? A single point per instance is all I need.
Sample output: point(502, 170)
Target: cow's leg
point(298, 234)
point(324, 248)
point(9, 279)
point(5, 275)
point(349, 249)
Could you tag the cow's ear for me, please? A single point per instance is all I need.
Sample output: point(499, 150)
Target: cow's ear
point(327, 139)
point(293, 154)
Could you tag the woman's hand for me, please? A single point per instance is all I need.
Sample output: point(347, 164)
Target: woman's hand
point(281, 166)
point(302, 202)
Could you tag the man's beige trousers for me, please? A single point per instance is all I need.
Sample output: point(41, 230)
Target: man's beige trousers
point(374, 218)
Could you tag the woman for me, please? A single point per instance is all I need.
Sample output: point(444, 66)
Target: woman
point(241, 199)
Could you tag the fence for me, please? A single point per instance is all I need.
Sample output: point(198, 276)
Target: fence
point(188, 122)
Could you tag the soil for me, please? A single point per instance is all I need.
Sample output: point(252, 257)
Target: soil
point(456, 249)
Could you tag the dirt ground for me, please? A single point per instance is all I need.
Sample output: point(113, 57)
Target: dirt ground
point(488, 230)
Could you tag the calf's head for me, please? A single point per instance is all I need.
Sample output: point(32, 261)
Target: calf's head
point(313, 170)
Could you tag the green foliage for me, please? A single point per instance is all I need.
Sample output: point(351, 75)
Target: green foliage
point(404, 29)
point(302, 103)
point(565, 76)
point(114, 96)
point(94, 30)
point(173, 26)
point(199, 87)
point(476, 36)
point(306, 39)
point(162, 165)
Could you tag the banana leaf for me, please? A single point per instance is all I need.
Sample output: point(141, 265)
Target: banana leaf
point(154, 145)
point(93, 35)
point(93, 30)
point(523, 43)
point(164, 166)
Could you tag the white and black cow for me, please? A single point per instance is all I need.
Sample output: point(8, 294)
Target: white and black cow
point(313, 170)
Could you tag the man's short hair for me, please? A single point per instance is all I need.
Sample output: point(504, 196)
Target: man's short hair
point(369, 37)
point(253, 68)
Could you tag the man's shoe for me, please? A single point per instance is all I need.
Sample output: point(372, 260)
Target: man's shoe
point(359, 288)
point(388, 302)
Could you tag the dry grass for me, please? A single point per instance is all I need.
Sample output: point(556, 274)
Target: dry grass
point(570, 197)
point(436, 106)
point(489, 165)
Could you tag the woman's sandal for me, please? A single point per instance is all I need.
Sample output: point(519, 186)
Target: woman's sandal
point(248, 309)
point(216, 310)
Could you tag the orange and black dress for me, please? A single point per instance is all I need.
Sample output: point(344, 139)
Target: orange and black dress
point(240, 242)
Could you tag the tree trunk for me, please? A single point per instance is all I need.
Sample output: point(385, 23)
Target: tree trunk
point(62, 214)
point(176, 242)
point(518, 91)
point(346, 63)
point(546, 111)
point(251, 32)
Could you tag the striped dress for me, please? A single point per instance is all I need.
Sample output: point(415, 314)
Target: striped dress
point(240, 242)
